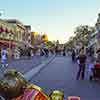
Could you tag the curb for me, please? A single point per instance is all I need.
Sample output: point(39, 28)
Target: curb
point(30, 74)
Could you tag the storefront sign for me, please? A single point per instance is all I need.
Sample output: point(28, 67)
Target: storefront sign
point(7, 43)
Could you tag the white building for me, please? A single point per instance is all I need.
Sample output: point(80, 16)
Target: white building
point(95, 37)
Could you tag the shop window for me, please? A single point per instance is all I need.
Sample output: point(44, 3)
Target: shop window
point(7, 36)
point(16, 36)
point(4, 35)
point(12, 37)
point(1, 35)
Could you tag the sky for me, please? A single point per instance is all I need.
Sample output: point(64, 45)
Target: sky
point(56, 18)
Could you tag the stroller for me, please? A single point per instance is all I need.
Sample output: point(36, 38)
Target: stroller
point(96, 72)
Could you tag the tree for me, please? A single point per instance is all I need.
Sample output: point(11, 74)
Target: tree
point(50, 43)
point(69, 44)
point(82, 33)
point(45, 38)
point(57, 42)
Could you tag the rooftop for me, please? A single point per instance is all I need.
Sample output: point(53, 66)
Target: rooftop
point(27, 27)
point(13, 21)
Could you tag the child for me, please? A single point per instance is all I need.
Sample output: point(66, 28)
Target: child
point(90, 70)
point(94, 66)
point(4, 58)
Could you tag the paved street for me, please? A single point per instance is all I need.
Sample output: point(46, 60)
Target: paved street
point(23, 65)
point(61, 74)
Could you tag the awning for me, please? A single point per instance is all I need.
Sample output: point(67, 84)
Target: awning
point(6, 43)
point(2, 29)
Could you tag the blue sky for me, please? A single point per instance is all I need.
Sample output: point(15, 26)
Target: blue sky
point(57, 18)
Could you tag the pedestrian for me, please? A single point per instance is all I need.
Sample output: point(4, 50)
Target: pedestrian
point(46, 52)
point(82, 64)
point(73, 55)
point(29, 54)
point(56, 50)
point(95, 67)
point(98, 56)
point(64, 51)
point(32, 53)
point(41, 52)
point(77, 59)
point(91, 67)
point(4, 57)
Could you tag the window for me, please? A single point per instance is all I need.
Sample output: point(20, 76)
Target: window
point(1, 35)
point(7, 37)
point(4, 35)
point(10, 36)
point(15, 37)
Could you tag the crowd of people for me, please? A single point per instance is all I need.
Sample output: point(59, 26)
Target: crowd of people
point(81, 58)
point(53, 51)
point(29, 53)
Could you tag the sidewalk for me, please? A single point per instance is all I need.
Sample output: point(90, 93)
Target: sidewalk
point(23, 65)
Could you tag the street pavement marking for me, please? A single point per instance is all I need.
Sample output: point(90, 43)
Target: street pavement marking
point(28, 76)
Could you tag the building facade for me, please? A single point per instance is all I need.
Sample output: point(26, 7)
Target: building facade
point(19, 30)
point(94, 37)
point(12, 36)
point(98, 30)
point(28, 35)
point(7, 35)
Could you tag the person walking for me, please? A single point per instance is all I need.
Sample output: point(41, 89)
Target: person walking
point(98, 56)
point(73, 55)
point(29, 54)
point(64, 51)
point(82, 64)
point(46, 52)
point(4, 57)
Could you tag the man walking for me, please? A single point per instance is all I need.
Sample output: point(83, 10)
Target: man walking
point(82, 62)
